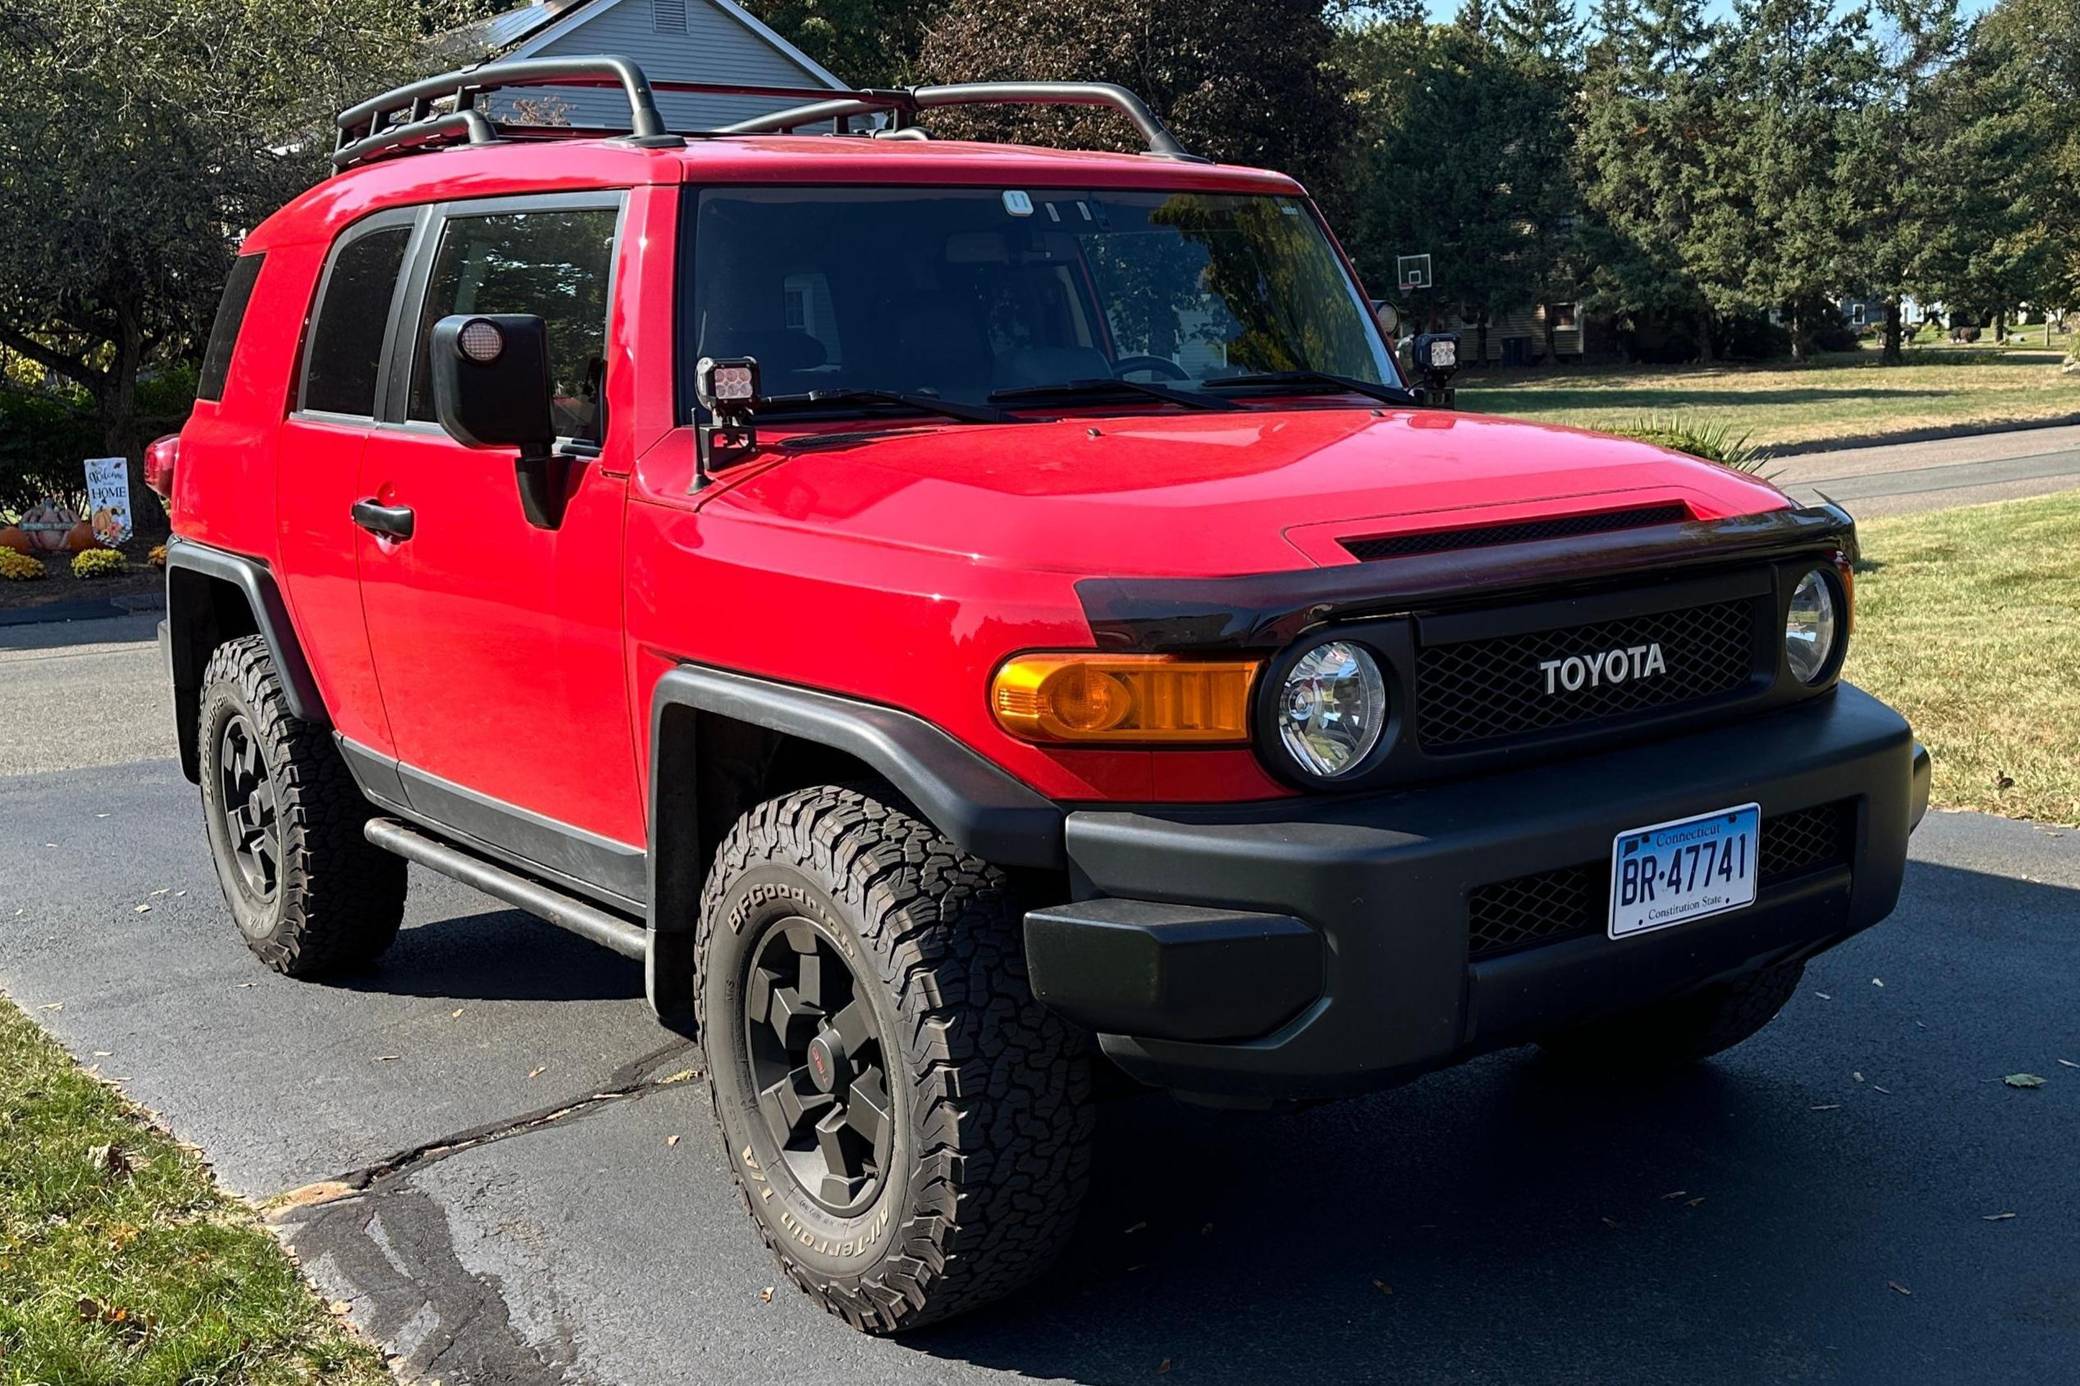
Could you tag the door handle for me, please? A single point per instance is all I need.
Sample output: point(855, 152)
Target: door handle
point(390, 521)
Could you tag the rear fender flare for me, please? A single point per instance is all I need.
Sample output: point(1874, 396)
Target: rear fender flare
point(212, 596)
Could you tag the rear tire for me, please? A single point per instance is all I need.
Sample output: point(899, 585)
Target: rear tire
point(910, 1129)
point(1676, 1033)
point(308, 891)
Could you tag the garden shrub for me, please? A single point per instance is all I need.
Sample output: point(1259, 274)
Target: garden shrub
point(19, 567)
point(1710, 439)
point(96, 563)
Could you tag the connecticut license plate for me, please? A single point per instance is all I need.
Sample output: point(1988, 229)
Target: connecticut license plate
point(1672, 873)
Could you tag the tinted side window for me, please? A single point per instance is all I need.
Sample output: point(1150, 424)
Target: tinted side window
point(231, 315)
point(555, 263)
point(346, 340)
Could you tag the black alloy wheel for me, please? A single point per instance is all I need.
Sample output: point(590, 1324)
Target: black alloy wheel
point(247, 802)
point(817, 1061)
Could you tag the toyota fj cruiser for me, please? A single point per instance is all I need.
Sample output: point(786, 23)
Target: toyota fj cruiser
point(960, 613)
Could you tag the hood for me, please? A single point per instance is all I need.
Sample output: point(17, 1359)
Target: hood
point(1215, 494)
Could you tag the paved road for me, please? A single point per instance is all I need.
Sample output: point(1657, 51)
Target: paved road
point(1902, 478)
point(499, 1094)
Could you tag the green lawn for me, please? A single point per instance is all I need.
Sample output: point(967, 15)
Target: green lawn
point(1849, 395)
point(1968, 621)
point(121, 1264)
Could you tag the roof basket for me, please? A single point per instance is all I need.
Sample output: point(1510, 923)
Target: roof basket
point(443, 110)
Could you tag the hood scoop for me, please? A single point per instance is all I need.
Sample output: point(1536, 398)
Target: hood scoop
point(1517, 532)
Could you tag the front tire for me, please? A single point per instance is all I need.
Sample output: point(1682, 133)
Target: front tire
point(1676, 1033)
point(308, 891)
point(910, 1129)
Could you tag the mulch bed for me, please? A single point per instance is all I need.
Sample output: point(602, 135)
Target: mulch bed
point(60, 588)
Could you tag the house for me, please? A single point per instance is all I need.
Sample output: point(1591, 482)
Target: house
point(671, 40)
point(1517, 337)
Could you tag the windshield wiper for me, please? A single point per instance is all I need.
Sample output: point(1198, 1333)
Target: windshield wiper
point(1072, 389)
point(1313, 382)
point(922, 404)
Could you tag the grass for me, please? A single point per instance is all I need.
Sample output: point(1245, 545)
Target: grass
point(1969, 623)
point(1849, 395)
point(122, 1264)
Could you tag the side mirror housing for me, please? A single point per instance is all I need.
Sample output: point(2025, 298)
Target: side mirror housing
point(491, 390)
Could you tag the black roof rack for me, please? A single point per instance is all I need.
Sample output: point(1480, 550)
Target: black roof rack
point(443, 110)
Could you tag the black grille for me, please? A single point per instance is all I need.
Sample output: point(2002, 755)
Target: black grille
point(1524, 532)
point(1575, 900)
point(1487, 690)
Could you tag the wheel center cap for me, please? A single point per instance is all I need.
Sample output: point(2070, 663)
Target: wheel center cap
point(826, 1061)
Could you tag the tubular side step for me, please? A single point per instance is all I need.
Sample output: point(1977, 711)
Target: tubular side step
point(546, 902)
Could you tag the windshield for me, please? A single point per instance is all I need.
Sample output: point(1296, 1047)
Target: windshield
point(962, 293)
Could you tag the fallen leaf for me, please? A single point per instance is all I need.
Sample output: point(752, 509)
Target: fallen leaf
point(1137, 1227)
point(537, 1072)
point(142, 909)
point(454, 1013)
point(104, 1054)
point(2023, 1080)
point(53, 1006)
point(340, 1306)
point(1876, 1088)
point(1877, 981)
point(1857, 1076)
point(2069, 1063)
point(1825, 1107)
point(1695, 1201)
point(1896, 1286)
point(162, 890)
point(2004, 781)
point(1610, 1222)
point(243, 985)
point(1383, 1287)
point(108, 1159)
point(1824, 996)
point(1163, 1367)
point(1677, 1193)
point(765, 1296)
point(388, 1058)
point(1995, 1217)
point(670, 1141)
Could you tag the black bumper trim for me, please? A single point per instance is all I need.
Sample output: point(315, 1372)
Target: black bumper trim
point(1172, 971)
point(1384, 879)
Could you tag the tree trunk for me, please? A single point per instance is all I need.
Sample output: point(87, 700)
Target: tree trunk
point(1480, 337)
point(1798, 337)
point(1552, 354)
point(1893, 355)
point(2000, 328)
point(1707, 349)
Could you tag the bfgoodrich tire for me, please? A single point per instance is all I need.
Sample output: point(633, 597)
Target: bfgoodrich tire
point(308, 891)
point(1678, 1032)
point(909, 1127)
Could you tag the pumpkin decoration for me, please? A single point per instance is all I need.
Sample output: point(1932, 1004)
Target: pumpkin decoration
point(80, 538)
point(48, 525)
point(12, 538)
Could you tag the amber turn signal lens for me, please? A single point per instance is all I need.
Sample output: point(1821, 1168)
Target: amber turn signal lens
point(1124, 698)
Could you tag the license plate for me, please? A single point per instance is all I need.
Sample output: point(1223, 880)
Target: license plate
point(1672, 873)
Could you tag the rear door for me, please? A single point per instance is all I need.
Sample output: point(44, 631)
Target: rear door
point(332, 413)
point(499, 645)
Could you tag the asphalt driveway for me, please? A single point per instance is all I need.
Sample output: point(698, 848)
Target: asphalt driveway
point(523, 1184)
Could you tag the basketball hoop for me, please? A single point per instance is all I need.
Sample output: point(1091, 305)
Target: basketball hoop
point(1413, 272)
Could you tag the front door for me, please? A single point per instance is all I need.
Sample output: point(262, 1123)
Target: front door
point(498, 646)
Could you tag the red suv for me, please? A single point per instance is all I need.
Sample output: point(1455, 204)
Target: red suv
point(961, 612)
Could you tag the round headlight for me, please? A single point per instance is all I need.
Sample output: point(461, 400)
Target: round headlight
point(1332, 708)
point(1809, 629)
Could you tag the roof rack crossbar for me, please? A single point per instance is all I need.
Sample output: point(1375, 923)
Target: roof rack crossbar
point(906, 102)
point(377, 126)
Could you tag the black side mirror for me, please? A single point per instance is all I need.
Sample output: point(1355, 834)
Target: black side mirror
point(491, 390)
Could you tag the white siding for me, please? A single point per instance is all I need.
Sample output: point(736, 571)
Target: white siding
point(716, 47)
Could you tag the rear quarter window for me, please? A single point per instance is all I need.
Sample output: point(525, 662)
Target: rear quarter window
point(344, 353)
point(231, 316)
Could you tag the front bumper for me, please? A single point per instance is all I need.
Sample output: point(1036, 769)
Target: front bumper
point(1314, 948)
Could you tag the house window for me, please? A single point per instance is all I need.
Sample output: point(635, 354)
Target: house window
point(1564, 317)
point(1856, 318)
point(668, 16)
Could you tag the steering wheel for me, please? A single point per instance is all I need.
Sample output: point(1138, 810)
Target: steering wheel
point(1161, 365)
